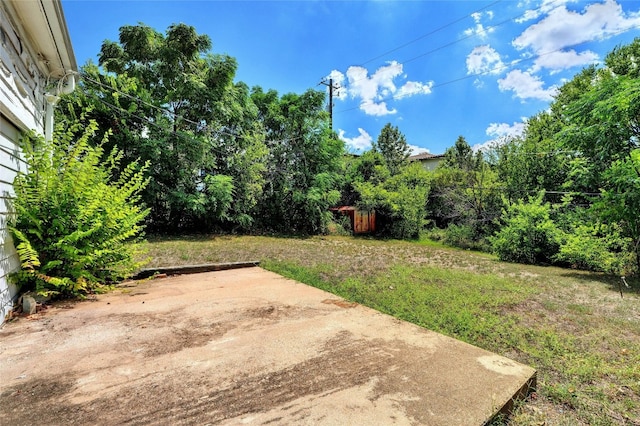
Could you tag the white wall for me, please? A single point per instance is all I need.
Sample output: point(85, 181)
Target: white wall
point(21, 82)
point(10, 164)
point(21, 108)
point(431, 163)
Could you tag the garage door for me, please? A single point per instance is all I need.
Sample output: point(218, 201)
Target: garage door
point(10, 164)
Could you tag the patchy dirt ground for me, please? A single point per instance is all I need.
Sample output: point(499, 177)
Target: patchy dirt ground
point(241, 347)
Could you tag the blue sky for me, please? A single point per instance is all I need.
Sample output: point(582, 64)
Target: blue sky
point(435, 69)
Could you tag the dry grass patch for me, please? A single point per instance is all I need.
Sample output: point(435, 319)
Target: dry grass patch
point(573, 326)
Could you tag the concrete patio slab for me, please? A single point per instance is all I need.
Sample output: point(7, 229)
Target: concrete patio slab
point(243, 346)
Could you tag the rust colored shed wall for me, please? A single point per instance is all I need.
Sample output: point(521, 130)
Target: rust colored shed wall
point(362, 221)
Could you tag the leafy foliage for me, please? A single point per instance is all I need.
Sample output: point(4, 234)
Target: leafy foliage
point(620, 202)
point(223, 156)
point(168, 100)
point(528, 234)
point(586, 145)
point(393, 146)
point(533, 162)
point(304, 161)
point(463, 236)
point(76, 225)
point(460, 156)
point(400, 201)
point(594, 247)
point(465, 195)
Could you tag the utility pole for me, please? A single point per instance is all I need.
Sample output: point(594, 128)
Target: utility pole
point(331, 87)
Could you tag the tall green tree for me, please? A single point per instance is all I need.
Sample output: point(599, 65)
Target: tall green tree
point(393, 146)
point(461, 156)
point(620, 202)
point(465, 192)
point(533, 162)
point(400, 200)
point(303, 164)
point(602, 124)
point(168, 100)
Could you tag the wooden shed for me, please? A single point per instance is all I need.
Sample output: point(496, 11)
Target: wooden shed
point(362, 221)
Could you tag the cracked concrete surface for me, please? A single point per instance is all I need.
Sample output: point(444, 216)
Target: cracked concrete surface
point(244, 346)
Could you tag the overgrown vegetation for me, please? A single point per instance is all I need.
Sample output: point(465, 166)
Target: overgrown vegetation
point(582, 155)
point(572, 326)
point(528, 234)
point(78, 217)
point(226, 157)
point(221, 156)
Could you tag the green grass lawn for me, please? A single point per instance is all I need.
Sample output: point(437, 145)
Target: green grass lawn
point(573, 326)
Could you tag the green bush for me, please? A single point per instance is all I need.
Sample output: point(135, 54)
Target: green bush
point(76, 224)
point(527, 235)
point(435, 234)
point(463, 236)
point(595, 248)
point(399, 201)
point(339, 225)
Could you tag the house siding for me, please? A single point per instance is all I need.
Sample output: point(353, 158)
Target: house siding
point(21, 83)
point(10, 164)
point(431, 164)
point(22, 106)
point(428, 161)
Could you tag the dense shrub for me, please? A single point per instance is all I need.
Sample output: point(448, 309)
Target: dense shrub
point(528, 235)
point(76, 224)
point(464, 236)
point(595, 248)
point(399, 201)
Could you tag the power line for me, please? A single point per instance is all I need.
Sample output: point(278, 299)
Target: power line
point(449, 44)
point(486, 30)
point(501, 68)
point(431, 32)
point(521, 191)
point(461, 39)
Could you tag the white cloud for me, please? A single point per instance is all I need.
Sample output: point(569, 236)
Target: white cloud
point(373, 91)
point(417, 149)
point(526, 86)
point(378, 109)
point(501, 133)
point(499, 130)
point(484, 59)
point(489, 145)
point(479, 29)
point(369, 88)
point(563, 28)
point(363, 142)
point(560, 60)
point(411, 88)
point(338, 81)
point(546, 7)
point(360, 143)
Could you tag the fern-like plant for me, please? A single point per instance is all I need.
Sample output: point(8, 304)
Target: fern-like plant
point(77, 225)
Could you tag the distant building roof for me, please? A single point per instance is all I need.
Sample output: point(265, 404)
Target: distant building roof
point(425, 156)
